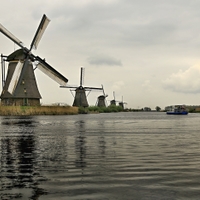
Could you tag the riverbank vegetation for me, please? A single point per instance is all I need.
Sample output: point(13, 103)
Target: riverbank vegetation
point(38, 110)
point(61, 110)
point(96, 109)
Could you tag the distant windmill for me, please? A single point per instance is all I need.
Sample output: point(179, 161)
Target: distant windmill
point(113, 102)
point(121, 103)
point(101, 100)
point(80, 99)
point(19, 86)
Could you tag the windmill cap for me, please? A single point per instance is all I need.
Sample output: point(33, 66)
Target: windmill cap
point(16, 55)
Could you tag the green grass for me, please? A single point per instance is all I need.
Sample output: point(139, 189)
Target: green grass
point(96, 109)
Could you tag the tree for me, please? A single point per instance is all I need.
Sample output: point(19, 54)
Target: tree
point(158, 108)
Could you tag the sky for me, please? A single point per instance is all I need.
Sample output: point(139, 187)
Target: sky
point(146, 52)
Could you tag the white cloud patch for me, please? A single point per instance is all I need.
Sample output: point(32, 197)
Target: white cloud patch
point(104, 60)
point(187, 81)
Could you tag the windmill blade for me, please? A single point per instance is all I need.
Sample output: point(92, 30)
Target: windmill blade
point(21, 74)
point(92, 88)
point(81, 76)
point(15, 78)
point(11, 36)
point(40, 31)
point(103, 90)
point(74, 87)
point(114, 95)
point(105, 95)
point(51, 72)
point(72, 93)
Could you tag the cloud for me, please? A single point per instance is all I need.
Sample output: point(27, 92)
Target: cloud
point(187, 81)
point(104, 60)
point(118, 85)
point(147, 85)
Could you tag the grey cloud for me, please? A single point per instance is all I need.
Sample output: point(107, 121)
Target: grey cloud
point(127, 24)
point(104, 60)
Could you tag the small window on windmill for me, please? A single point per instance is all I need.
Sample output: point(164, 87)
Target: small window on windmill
point(25, 90)
point(23, 82)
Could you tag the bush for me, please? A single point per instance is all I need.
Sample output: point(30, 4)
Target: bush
point(82, 110)
point(97, 109)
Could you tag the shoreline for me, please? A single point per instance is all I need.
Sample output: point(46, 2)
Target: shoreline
point(37, 110)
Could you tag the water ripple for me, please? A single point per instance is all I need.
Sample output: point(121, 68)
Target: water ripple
point(105, 156)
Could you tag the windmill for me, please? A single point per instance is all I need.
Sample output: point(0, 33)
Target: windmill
point(113, 102)
point(20, 87)
point(121, 103)
point(80, 98)
point(101, 100)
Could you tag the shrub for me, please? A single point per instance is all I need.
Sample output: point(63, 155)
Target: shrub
point(82, 110)
point(95, 109)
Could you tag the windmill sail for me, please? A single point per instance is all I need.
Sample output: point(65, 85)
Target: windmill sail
point(92, 88)
point(51, 72)
point(67, 86)
point(10, 36)
point(15, 78)
point(81, 76)
point(40, 31)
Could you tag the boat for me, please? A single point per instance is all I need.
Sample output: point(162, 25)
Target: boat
point(177, 110)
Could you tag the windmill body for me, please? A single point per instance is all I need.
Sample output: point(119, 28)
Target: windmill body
point(101, 100)
point(27, 93)
point(80, 99)
point(20, 87)
point(121, 104)
point(113, 102)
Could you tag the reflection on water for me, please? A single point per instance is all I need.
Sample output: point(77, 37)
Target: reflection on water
point(18, 160)
point(103, 156)
point(80, 144)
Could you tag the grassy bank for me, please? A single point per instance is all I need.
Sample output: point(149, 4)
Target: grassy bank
point(96, 109)
point(38, 110)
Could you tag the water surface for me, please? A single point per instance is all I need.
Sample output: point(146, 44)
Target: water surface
point(135, 155)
